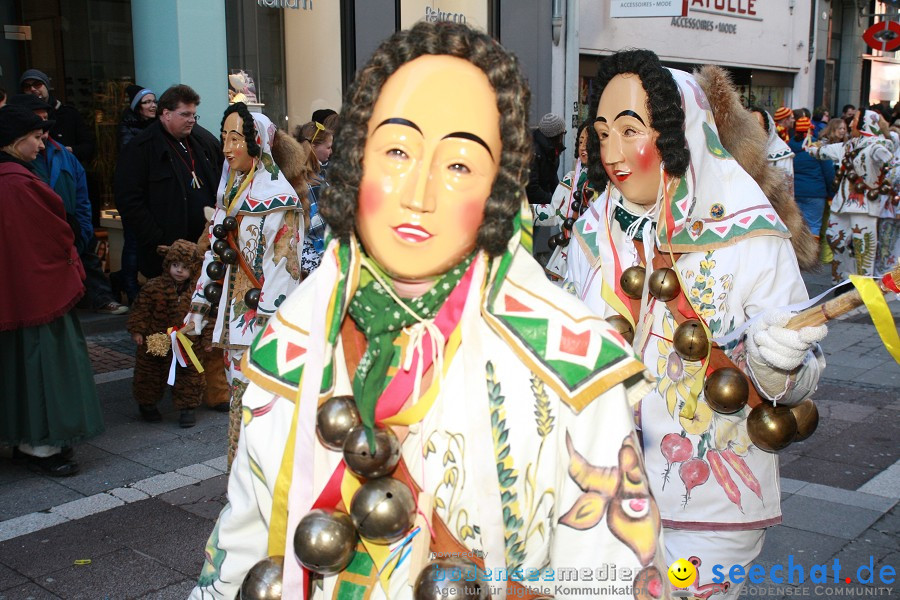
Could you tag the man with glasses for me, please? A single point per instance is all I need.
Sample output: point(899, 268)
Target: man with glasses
point(69, 129)
point(166, 176)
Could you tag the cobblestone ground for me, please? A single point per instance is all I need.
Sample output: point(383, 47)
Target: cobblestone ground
point(111, 352)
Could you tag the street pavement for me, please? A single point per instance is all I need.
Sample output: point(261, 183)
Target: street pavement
point(133, 523)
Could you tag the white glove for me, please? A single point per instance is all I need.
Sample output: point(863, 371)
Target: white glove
point(770, 343)
point(198, 321)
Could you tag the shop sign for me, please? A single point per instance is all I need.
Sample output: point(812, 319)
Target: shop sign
point(884, 36)
point(704, 25)
point(619, 9)
point(731, 8)
point(304, 4)
point(470, 12)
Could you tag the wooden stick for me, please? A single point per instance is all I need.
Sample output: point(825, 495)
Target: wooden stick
point(822, 313)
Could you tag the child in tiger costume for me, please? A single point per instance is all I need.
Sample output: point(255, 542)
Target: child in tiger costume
point(162, 303)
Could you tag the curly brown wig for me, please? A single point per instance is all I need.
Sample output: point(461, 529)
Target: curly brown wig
point(249, 127)
point(502, 70)
point(663, 105)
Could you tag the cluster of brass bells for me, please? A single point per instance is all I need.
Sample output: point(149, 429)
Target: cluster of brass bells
point(883, 187)
point(663, 283)
point(773, 428)
point(383, 510)
point(264, 580)
point(226, 256)
point(579, 205)
point(450, 578)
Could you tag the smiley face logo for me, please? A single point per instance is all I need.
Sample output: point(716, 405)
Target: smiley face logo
point(682, 573)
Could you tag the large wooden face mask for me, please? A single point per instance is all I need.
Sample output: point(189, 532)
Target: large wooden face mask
point(234, 146)
point(431, 156)
point(627, 142)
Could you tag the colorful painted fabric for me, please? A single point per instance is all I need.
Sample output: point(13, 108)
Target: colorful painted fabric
point(518, 405)
point(381, 319)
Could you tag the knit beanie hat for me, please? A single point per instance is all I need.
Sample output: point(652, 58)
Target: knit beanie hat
point(29, 101)
point(552, 125)
point(802, 125)
point(783, 113)
point(34, 74)
point(135, 93)
point(17, 121)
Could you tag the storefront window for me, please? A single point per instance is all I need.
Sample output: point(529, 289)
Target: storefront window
point(255, 38)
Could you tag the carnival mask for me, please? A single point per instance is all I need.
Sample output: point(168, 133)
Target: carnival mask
point(627, 142)
point(431, 155)
point(234, 146)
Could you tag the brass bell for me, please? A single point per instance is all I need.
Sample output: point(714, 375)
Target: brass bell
point(450, 578)
point(215, 270)
point(334, 420)
point(213, 292)
point(325, 541)
point(873, 194)
point(263, 580)
point(363, 461)
point(807, 416)
point(575, 206)
point(771, 428)
point(383, 510)
point(690, 340)
point(229, 256)
point(219, 246)
point(220, 232)
point(664, 284)
point(229, 223)
point(853, 176)
point(551, 242)
point(860, 187)
point(621, 324)
point(251, 298)
point(886, 188)
point(726, 390)
point(632, 282)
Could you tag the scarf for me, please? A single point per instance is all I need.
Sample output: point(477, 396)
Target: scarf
point(381, 319)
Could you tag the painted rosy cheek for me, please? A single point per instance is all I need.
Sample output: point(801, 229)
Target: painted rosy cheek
point(647, 156)
point(371, 197)
point(470, 214)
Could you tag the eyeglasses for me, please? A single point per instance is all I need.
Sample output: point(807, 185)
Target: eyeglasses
point(189, 116)
point(148, 102)
point(32, 85)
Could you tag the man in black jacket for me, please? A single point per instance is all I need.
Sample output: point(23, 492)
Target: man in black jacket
point(166, 176)
point(548, 145)
point(69, 128)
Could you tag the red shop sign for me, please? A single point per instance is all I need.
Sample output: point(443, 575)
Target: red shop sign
point(884, 36)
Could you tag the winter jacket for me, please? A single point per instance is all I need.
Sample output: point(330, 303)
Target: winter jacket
point(59, 169)
point(543, 178)
point(71, 130)
point(154, 196)
point(812, 178)
point(130, 126)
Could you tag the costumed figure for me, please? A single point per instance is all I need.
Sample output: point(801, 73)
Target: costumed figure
point(681, 247)
point(570, 200)
point(866, 198)
point(427, 388)
point(777, 150)
point(161, 305)
point(257, 236)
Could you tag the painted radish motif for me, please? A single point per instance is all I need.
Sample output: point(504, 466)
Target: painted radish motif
point(676, 448)
point(693, 473)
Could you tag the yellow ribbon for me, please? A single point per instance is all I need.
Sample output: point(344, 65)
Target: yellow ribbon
point(873, 298)
point(188, 346)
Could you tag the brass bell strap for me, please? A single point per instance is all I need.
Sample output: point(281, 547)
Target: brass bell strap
point(243, 263)
point(682, 311)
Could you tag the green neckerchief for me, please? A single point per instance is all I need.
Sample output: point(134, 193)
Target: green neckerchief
point(625, 219)
point(381, 320)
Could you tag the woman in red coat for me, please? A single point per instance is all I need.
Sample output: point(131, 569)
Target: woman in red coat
point(48, 401)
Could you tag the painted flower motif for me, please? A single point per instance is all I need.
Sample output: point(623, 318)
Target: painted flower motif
point(676, 375)
point(731, 433)
point(701, 420)
point(707, 264)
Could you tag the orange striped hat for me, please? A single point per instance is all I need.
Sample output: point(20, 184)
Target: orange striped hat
point(803, 125)
point(783, 113)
